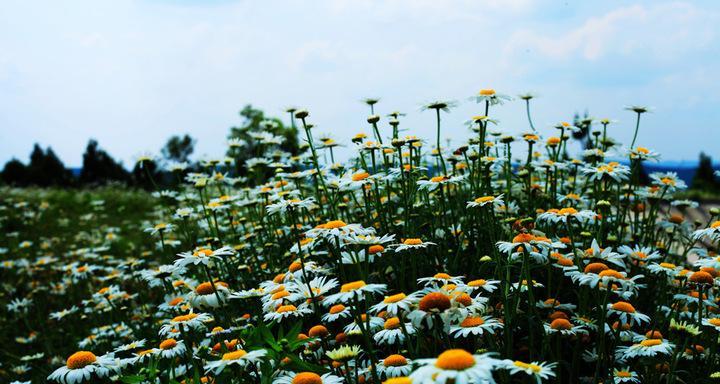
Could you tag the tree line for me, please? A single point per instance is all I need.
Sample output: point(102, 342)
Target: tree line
point(45, 169)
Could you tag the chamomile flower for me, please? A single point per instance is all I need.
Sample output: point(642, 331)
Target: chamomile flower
point(393, 332)
point(645, 347)
point(308, 378)
point(457, 365)
point(397, 303)
point(83, 366)
point(356, 290)
point(395, 365)
point(411, 244)
point(475, 326)
point(627, 313)
point(625, 375)
point(238, 357)
point(535, 369)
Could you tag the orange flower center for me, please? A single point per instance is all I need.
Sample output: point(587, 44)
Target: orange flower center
point(394, 298)
point(455, 360)
point(623, 306)
point(472, 321)
point(560, 324)
point(352, 286)
point(168, 344)
point(434, 300)
point(235, 355)
point(392, 323)
point(80, 359)
point(286, 308)
point(337, 309)
point(650, 342)
point(395, 361)
point(307, 378)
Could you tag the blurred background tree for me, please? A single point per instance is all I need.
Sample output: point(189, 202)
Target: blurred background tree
point(255, 120)
point(179, 148)
point(100, 168)
point(705, 179)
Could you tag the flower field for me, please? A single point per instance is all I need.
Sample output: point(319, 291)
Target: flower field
point(504, 259)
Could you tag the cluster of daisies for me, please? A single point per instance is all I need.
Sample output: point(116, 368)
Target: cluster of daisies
point(411, 262)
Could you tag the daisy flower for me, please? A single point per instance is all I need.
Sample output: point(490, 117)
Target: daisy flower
point(171, 348)
point(625, 375)
point(355, 290)
point(482, 201)
point(396, 303)
point(395, 366)
point(81, 366)
point(645, 348)
point(308, 378)
point(627, 313)
point(286, 311)
point(239, 357)
point(393, 332)
point(337, 312)
point(457, 365)
point(440, 279)
point(490, 96)
point(476, 326)
point(563, 327)
point(191, 320)
point(411, 244)
point(537, 370)
point(204, 256)
point(712, 232)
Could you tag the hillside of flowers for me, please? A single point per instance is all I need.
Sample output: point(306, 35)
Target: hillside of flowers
point(503, 259)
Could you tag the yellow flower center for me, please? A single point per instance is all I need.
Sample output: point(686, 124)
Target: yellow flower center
point(235, 355)
point(535, 368)
point(182, 318)
point(487, 92)
point(412, 242)
point(484, 199)
point(352, 286)
point(438, 179)
point(394, 298)
point(334, 224)
point(286, 308)
point(360, 176)
point(650, 342)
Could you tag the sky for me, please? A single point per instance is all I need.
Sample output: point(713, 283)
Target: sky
point(132, 73)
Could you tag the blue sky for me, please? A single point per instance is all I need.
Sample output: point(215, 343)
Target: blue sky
point(131, 73)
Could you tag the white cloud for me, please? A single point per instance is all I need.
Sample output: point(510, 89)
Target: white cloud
point(662, 30)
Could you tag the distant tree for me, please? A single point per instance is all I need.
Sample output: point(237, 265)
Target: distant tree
point(14, 173)
point(255, 120)
point(179, 148)
point(99, 167)
point(704, 178)
point(46, 169)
